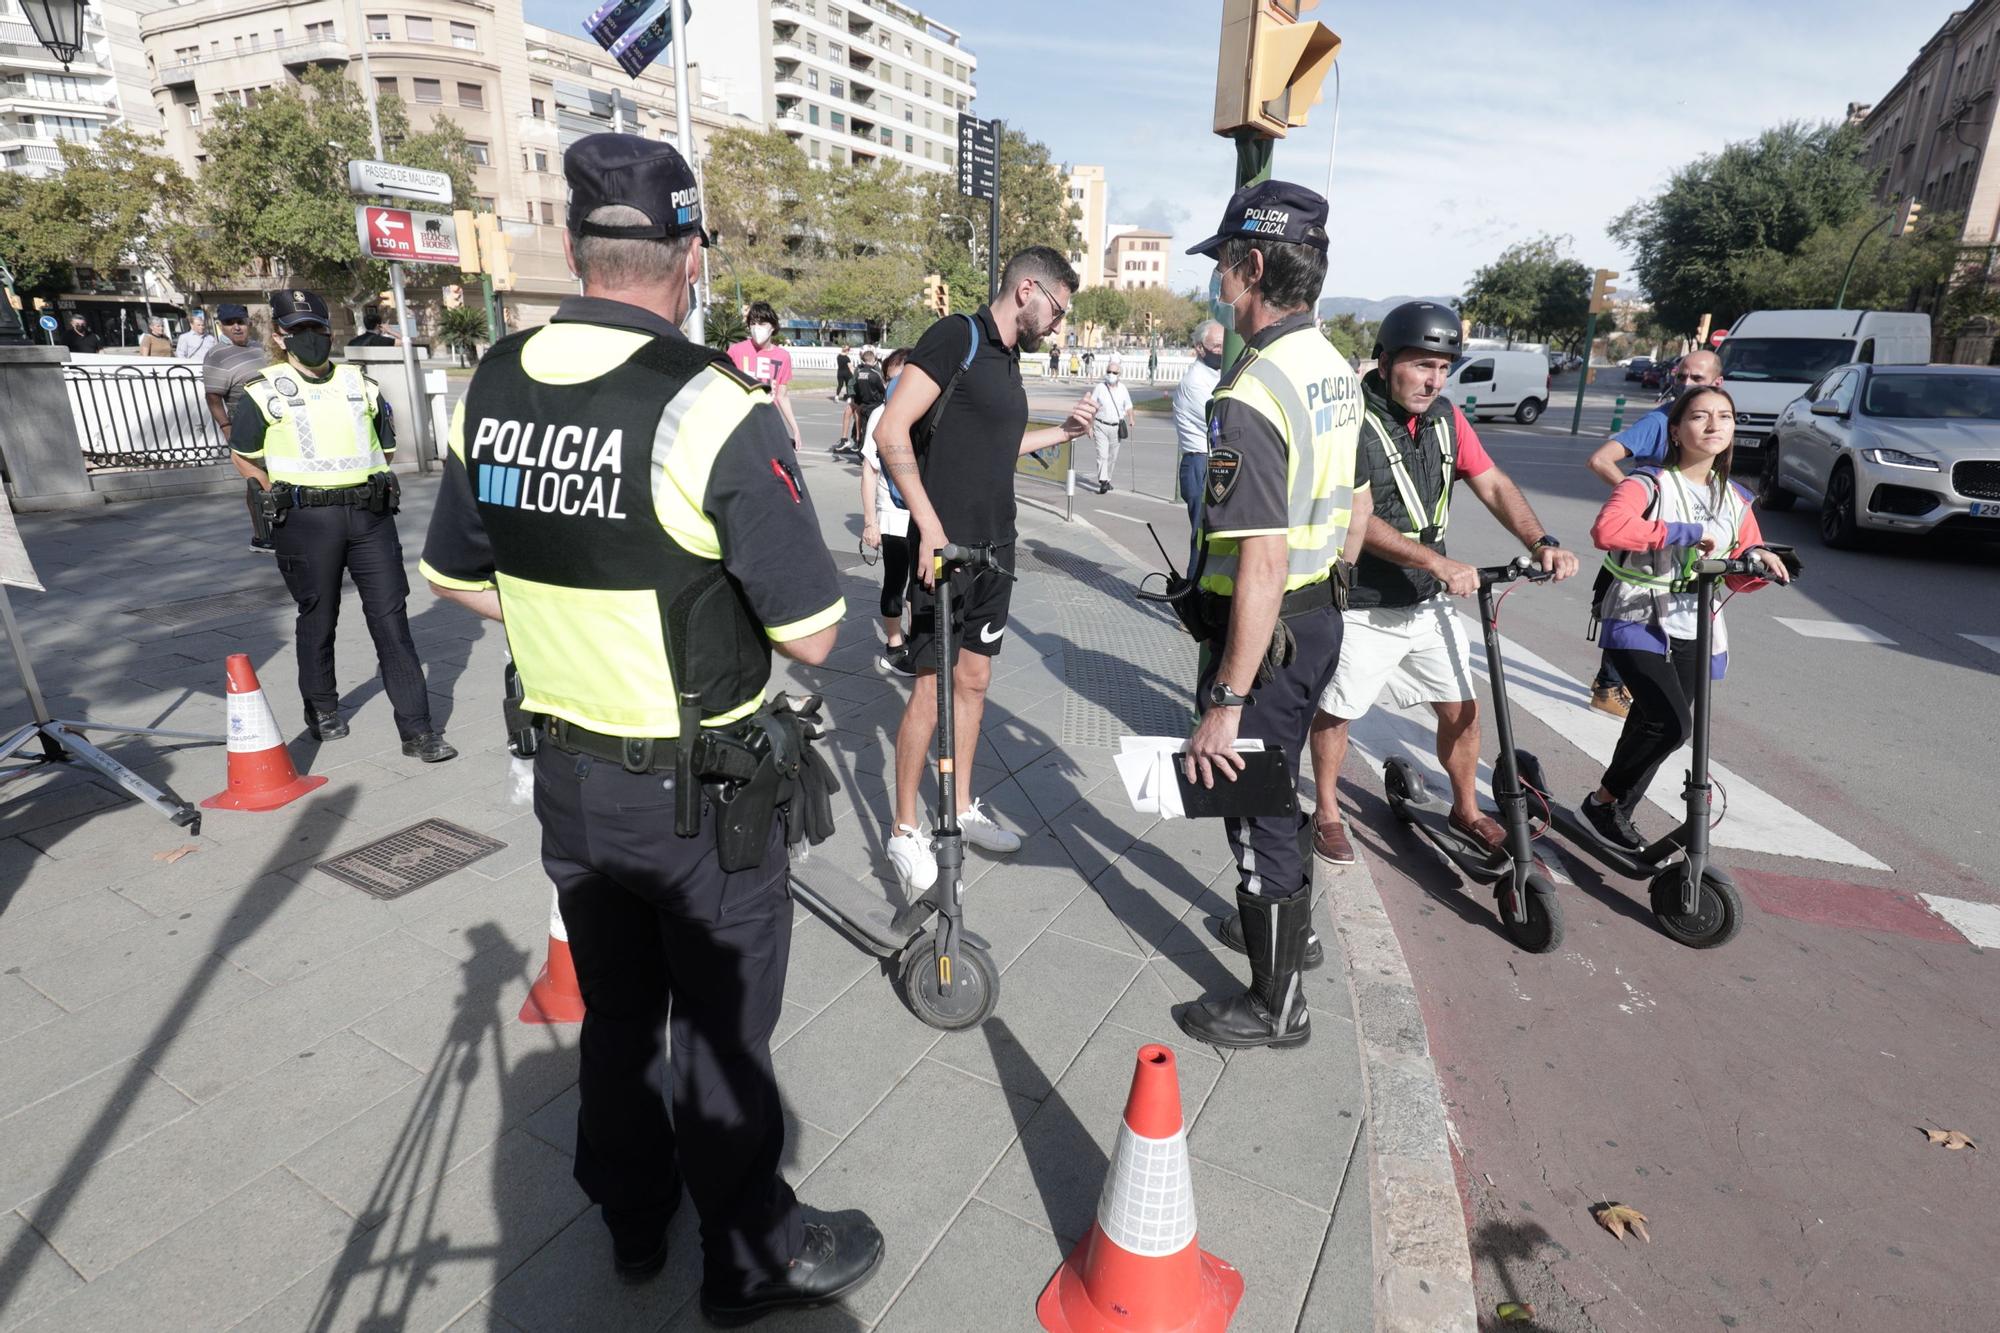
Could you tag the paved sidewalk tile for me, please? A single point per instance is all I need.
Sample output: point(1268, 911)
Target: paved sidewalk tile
point(36, 1276)
point(43, 1141)
point(1051, 998)
point(1274, 1239)
point(1287, 1118)
point(988, 1271)
point(23, 1007)
point(1342, 1298)
point(852, 1055)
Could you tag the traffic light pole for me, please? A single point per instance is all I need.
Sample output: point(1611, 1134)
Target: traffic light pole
point(993, 221)
point(1253, 165)
point(1583, 375)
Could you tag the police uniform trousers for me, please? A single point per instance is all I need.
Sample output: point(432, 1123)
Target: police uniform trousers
point(1274, 855)
point(315, 547)
point(663, 938)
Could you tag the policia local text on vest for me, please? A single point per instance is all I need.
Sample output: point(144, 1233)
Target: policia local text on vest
point(317, 437)
point(626, 503)
point(1280, 505)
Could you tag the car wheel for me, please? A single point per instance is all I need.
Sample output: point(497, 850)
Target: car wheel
point(1529, 409)
point(1771, 492)
point(1838, 527)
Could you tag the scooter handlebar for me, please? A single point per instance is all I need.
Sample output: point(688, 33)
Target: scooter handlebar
point(976, 556)
point(1749, 566)
point(1520, 567)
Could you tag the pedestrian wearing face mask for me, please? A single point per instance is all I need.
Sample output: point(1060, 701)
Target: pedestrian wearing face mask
point(1113, 421)
point(319, 438)
point(763, 360)
point(1191, 416)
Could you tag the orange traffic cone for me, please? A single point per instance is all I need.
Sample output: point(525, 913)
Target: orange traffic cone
point(1140, 1269)
point(261, 775)
point(555, 996)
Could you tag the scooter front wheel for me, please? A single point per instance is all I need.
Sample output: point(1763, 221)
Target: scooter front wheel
point(1542, 932)
point(963, 997)
point(1404, 787)
point(1718, 913)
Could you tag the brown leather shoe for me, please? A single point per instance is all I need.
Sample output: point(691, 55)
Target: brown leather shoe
point(1484, 830)
point(1613, 699)
point(1330, 843)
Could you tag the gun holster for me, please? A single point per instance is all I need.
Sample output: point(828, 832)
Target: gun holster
point(789, 778)
point(270, 505)
point(524, 735)
point(385, 493)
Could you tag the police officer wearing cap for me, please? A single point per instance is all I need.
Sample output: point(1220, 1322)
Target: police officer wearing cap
point(626, 502)
point(1281, 528)
point(318, 437)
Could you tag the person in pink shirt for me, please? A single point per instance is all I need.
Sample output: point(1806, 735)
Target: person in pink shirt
point(763, 360)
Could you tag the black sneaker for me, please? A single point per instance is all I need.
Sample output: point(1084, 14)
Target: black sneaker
point(895, 661)
point(1612, 823)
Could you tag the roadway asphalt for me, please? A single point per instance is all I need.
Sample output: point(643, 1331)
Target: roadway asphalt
point(1760, 1103)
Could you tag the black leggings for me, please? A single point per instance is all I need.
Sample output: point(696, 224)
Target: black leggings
point(1662, 688)
point(895, 573)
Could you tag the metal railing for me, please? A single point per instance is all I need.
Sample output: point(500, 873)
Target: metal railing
point(143, 416)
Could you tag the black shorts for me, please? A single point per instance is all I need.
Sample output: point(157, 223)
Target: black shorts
point(979, 605)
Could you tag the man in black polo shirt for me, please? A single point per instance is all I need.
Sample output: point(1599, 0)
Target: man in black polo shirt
point(961, 489)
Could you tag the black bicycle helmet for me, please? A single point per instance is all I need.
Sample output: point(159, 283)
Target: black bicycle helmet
point(1422, 324)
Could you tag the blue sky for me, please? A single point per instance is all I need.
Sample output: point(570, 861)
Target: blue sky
point(1462, 127)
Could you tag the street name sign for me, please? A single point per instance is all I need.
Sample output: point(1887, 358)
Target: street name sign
point(400, 235)
point(401, 182)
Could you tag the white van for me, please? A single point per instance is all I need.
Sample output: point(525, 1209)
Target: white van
point(1489, 382)
point(1772, 356)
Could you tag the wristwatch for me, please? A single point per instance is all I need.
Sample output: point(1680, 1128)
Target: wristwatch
point(1544, 540)
point(1221, 696)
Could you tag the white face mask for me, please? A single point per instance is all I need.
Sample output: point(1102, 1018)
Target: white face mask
point(760, 333)
point(1111, 375)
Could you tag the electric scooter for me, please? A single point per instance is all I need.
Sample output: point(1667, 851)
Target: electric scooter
point(945, 972)
point(1524, 887)
point(1694, 900)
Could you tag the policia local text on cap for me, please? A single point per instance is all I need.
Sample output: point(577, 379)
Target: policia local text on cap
point(628, 500)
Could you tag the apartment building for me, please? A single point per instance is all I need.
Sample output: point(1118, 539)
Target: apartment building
point(1137, 257)
point(846, 80)
point(42, 104)
point(1084, 187)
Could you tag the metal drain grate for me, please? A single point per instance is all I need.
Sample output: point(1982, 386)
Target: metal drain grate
point(1128, 665)
point(197, 609)
point(407, 860)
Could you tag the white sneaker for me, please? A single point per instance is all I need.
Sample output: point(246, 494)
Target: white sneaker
point(980, 830)
point(910, 854)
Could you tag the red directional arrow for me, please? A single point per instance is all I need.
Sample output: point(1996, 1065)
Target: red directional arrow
point(386, 233)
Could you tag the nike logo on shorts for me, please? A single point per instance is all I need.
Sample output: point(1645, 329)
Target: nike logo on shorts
point(987, 634)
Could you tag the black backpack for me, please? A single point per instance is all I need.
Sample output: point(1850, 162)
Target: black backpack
point(869, 389)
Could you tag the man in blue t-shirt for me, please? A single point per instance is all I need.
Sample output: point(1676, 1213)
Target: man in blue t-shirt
point(1644, 442)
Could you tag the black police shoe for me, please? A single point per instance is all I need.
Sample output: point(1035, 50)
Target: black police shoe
point(1229, 930)
point(326, 726)
point(638, 1258)
point(840, 1251)
point(429, 747)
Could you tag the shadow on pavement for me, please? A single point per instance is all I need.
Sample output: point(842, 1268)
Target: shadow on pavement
point(1061, 1154)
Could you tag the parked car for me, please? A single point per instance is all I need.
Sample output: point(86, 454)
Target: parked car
point(1771, 355)
point(1636, 368)
point(1501, 381)
point(1655, 374)
point(1891, 449)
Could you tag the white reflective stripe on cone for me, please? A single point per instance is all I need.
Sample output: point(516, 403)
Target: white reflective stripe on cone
point(557, 931)
point(252, 725)
point(1147, 1207)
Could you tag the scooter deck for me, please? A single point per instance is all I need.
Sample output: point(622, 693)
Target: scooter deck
point(857, 910)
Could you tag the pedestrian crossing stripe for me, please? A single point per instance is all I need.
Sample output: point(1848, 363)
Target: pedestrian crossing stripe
point(1990, 642)
point(1978, 922)
point(1834, 629)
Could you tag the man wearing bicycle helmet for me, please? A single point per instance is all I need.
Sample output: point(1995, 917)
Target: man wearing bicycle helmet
point(1402, 630)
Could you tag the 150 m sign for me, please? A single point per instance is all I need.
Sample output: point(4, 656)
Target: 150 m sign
point(405, 236)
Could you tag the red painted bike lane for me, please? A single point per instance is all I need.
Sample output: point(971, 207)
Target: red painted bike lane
point(1762, 1103)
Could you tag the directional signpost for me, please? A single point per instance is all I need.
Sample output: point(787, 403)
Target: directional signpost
point(403, 236)
point(979, 177)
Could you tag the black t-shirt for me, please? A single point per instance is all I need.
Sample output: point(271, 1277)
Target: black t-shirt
point(87, 342)
point(370, 339)
point(843, 369)
point(869, 389)
point(968, 470)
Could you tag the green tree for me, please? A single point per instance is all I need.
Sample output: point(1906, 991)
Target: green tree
point(1352, 337)
point(1035, 208)
point(1563, 311)
point(1890, 272)
point(1772, 193)
point(1508, 293)
point(1174, 315)
point(302, 217)
point(463, 328)
point(723, 325)
point(759, 200)
point(1104, 307)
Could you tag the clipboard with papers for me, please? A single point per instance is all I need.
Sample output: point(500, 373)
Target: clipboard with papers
point(1156, 781)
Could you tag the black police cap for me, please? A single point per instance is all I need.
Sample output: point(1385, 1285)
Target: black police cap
point(1271, 211)
point(295, 306)
point(625, 170)
point(228, 313)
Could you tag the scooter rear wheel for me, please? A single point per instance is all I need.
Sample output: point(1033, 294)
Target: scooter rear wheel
point(1542, 932)
point(967, 1002)
point(1718, 913)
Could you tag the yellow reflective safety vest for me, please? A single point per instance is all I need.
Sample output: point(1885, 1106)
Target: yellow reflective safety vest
point(318, 434)
point(588, 449)
point(1311, 396)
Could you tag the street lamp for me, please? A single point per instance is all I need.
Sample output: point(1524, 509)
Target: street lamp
point(58, 25)
point(972, 233)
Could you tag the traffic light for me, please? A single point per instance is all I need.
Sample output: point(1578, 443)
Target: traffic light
point(496, 251)
point(1907, 214)
point(1270, 66)
point(937, 295)
point(466, 224)
point(1602, 291)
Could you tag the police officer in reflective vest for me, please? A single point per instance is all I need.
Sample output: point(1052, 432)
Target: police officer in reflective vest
point(627, 503)
point(1281, 528)
point(318, 437)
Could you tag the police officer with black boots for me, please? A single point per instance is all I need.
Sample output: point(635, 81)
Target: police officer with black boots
point(317, 437)
point(626, 502)
point(1280, 532)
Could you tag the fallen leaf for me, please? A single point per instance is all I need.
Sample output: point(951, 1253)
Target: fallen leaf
point(1615, 1217)
point(1514, 1312)
point(168, 858)
point(1953, 1139)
